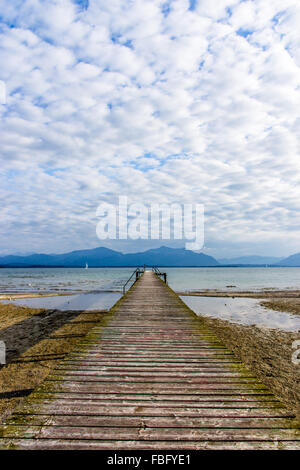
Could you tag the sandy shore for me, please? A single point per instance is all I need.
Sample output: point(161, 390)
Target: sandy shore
point(262, 294)
point(283, 305)
point(268, 354)
point(28, 296)
point(36, 340)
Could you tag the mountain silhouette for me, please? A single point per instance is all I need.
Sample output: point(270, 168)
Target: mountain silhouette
point(249, 260)
point(292, 261)
point(104, 257)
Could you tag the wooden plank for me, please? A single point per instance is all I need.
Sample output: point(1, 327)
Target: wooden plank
point(90, 444)
point(170, 405)
point(90, 376)
point(114, 364)
point(108, 366)
point(157, 434)
point(76, 406)
point(158, 422)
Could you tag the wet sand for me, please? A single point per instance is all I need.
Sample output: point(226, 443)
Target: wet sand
point(283, 304)
point(262, 294)
point(26, 327)
point(281, 301)
point(268, 353)
point(27, 296)
point(36, 340)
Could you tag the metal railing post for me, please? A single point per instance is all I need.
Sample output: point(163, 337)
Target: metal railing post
point(137, 272)
point(158, 273)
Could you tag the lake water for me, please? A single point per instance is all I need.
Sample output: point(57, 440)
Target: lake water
point(86, 301)
point(242, 310)
point(75, 280)
point(254, 279)
point(62, 280)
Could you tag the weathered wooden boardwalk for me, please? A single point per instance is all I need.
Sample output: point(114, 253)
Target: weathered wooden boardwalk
point(152, 378)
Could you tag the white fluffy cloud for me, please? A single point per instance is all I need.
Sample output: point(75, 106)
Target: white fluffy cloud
point(167, 101)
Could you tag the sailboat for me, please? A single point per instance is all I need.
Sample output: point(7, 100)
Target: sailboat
point(86, 266)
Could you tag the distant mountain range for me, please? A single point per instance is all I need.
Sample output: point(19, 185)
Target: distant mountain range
point(257, 260)
point(104, 257)
point(293, 261)
point(163, 256)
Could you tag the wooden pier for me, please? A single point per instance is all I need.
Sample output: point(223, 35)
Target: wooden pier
point(153, 377)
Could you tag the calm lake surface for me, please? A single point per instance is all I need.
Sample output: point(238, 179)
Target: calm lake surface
point(75, 280)
point(62, 280)
point(254, 279)
point(242, 310)
point(86, 301)
point(100, 288)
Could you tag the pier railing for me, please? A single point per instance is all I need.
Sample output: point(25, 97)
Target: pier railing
point(160, 274)
point(138, 272)
point(134, 277)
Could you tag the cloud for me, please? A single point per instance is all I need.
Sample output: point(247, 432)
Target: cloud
point(162, 102)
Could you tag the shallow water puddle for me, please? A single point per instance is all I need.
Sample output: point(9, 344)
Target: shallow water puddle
point(88, 301)
point(242, 310)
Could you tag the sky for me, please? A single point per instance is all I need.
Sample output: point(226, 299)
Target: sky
point(162, 101)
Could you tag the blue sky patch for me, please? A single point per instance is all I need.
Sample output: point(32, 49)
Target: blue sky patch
point(277, 17)
point(244, 32)
point(166, 8)
point(82, 4)
point(193, 4)
point(229, 12)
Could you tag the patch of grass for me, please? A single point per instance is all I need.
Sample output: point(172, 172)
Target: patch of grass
point(283, 305)
point(26, 372)
point(11, 314)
